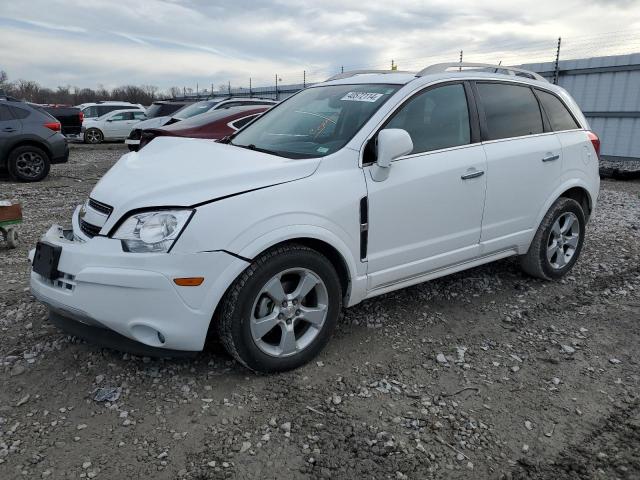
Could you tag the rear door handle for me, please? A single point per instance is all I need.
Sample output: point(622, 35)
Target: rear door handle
point(474, 174)
point(8, 129)
point(550, 158)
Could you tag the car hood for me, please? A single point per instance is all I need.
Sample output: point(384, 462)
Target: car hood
point(152, 122)
point(174, 171)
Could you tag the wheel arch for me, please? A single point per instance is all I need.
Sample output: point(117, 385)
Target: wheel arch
point(318, 238)
point(582, 196)
point(576, 189)
point(27, 143)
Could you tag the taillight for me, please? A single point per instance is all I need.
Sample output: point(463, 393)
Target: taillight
point(81, 116)
point(55, 126)
point(595, 141)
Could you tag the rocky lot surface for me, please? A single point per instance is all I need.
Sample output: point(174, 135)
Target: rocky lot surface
point(484, 374)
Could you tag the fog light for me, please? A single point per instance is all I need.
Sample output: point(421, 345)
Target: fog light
point(161, 338)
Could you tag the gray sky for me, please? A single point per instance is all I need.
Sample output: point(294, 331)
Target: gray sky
point(181, 42)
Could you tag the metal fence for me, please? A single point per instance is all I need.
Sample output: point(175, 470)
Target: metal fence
point(608, 92)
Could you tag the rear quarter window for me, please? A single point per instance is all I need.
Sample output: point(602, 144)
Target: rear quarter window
point(510, 110)
point(559, 116)
point(20, 113)
point(5, 114)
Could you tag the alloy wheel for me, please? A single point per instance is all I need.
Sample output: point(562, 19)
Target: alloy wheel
point(289, 312)
point(563, 240)
point(93, 136)
point(29, 164)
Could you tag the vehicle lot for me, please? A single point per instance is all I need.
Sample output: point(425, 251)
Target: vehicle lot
point(483, 374)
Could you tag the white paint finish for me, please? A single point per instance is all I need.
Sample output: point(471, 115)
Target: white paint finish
point(518, 184)
point(424, 220)
point(112, 129)
point(423, 212)
point(123, 291)
point(185, 171)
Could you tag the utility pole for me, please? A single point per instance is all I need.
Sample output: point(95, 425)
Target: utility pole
point(393, 67)
point(304, 79)
point(229, 87)
point(276, 86)
point(556, 70)
point(197, 91)
point(250, 92)
point(460, 68)
point(211, 93)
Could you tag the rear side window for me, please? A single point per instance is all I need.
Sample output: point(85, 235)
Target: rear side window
point(139, 115)
point(559, 116)
point(437, 118)
point(91, 112)
point(5, 114)
point(20, 113)
point(510, 110)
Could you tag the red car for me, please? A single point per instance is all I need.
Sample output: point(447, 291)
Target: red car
point(214, 125)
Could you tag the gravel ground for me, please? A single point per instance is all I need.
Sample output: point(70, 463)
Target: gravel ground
point(484, 374)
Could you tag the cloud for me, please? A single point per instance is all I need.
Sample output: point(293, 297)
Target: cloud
point(181, 42)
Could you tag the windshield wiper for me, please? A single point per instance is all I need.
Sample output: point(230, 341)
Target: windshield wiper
point(251, 146)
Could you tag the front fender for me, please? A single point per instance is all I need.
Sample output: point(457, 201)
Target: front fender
point(356, 269)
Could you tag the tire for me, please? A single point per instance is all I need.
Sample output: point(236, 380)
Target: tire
point(93, 136)
point(133, 148)
point(28, 164)
point(555, 248)
point(255, 296)
point(12, 238)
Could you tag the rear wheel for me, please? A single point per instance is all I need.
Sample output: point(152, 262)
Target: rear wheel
point(93, 136)
point(280, 312)
point(558, 241)
point(28, 163)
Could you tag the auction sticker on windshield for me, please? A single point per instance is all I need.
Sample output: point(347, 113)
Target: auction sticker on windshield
point(361, 97)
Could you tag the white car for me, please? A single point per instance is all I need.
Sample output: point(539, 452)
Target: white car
point(116, 125)
point(98, 109)
point(188, 111)
point(349, 189)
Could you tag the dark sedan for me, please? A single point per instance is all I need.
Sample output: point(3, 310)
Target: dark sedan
point(214, 125)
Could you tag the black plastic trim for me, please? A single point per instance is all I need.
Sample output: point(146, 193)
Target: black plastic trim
point(364, 227)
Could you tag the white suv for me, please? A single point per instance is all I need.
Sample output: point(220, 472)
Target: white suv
point(115, 125)
point(355, 187)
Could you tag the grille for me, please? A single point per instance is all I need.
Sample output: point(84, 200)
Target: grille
point(65, 281)
point(100, 207)
point(88, 229)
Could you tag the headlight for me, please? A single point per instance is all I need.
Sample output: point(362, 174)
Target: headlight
point(152, 231)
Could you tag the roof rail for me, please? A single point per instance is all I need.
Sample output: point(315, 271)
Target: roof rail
point(353, 73)
point(443, 67)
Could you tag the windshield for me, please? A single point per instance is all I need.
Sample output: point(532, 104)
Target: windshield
point(316, 122)
point(195, 109)
point(163, 109)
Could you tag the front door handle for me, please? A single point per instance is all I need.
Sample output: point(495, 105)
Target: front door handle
point(474, 174)
point(8, 129)
point(550, 158)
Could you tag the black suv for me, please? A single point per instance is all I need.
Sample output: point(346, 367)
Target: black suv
point(30, 140)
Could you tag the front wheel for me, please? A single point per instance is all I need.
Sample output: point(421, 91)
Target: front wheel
point(281, 311)
point(558, 241)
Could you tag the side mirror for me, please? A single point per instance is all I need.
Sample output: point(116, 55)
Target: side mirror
point(392, 143)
